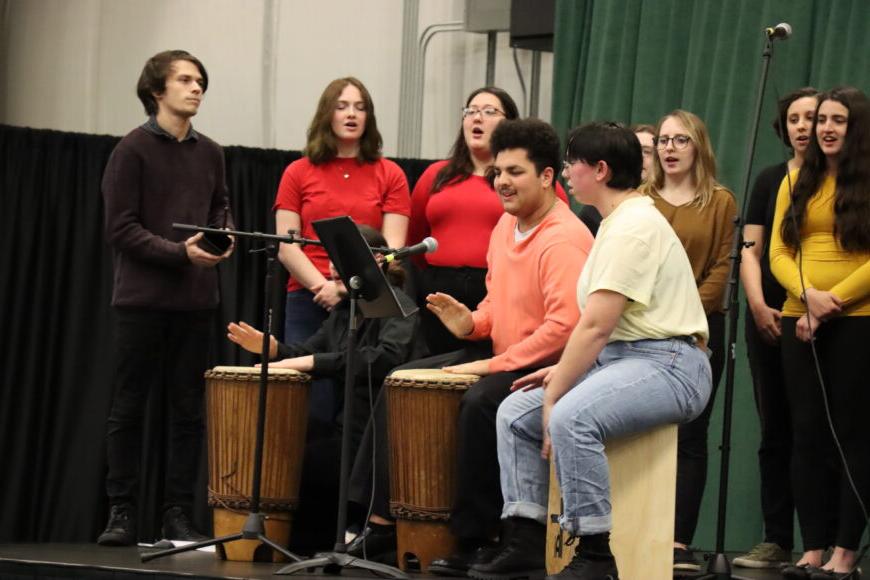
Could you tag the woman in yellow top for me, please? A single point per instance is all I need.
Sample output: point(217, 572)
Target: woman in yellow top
point(684, 189)
point(820, 253)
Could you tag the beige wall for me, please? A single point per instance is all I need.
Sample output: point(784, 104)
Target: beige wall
point(72, 65)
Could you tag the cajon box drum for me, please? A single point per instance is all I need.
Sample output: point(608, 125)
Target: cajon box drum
point(643, 480)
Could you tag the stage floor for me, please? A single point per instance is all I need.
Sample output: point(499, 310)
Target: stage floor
point(46, 561)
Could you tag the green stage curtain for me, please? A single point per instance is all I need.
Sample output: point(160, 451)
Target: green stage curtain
point(635, 60)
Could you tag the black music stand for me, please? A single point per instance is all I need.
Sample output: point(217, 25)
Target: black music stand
point(368, 289)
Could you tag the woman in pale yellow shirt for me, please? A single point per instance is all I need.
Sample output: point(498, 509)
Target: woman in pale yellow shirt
point(820, 253)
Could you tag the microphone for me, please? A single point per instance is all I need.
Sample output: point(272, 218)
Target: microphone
point(780, 31)
point(426, 246)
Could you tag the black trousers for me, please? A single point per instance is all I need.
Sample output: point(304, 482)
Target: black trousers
point(467, 285)
point(157, 349)
point(477, 509)
point(774, 451)
point(828, 511)
point(692, 443)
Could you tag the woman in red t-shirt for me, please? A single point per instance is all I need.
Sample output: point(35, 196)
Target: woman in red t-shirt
point(454, 203)
point(342, 173)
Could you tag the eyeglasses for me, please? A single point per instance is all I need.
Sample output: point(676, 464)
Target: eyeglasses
point(679, 141)
point(486, 111)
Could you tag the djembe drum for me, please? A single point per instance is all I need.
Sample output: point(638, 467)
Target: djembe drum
point(423, 407)
point(643, 483)
point(232, 394)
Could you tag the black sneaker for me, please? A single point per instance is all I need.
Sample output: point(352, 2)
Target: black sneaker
point(177, 526)
point(121, 529)
point(582, 568)
point(458, 563)
point(521, 554)
point(684, 559)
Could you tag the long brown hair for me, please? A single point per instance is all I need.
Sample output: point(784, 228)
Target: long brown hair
point(322, 146)
point(704, 167)
point(852, 194)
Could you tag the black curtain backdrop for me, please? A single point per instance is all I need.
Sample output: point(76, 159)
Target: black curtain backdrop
point(56, 325)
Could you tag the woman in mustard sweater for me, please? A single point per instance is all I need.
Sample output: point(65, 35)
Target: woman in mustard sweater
point(820, 253)
point(684, 189)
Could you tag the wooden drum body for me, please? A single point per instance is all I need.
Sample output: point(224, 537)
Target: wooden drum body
point(643, 483)
point(423, 407)
point(232, 394)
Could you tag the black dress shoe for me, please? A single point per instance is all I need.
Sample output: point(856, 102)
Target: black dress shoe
point(801, 572)
point(121, 529)
point(376, 545)
point(177, 526)
point(819, 574)
point(458, 563)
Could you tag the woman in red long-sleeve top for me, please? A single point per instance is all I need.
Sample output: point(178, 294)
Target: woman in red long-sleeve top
point(453, 202)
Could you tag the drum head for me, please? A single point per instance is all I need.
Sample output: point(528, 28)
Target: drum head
point(433, 376)
point(253, 373)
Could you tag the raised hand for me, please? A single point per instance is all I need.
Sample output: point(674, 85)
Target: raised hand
point(452, 313)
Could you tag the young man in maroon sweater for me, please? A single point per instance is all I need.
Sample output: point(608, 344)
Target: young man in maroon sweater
point(165, 288)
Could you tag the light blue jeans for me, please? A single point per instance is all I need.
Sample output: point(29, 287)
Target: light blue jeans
point(633, 387)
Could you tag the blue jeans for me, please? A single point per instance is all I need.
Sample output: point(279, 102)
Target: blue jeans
point(633, 387)
point(302, 318)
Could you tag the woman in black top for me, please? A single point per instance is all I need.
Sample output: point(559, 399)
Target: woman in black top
point(765, 297)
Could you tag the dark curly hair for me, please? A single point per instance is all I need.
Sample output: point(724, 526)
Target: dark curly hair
point(538, 138)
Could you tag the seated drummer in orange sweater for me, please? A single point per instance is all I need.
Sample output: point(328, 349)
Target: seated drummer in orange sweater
point(535, 256)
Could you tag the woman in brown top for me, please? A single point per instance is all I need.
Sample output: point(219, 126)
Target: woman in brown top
point(701, 210)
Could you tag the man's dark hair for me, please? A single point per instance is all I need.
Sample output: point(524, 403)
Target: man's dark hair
point(612, 143)
point(153, 78)
point(538, 138)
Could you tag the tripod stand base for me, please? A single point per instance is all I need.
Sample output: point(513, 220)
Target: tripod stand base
point(277, 525)
point(718, 568)
point(335, 562)
point(254, 529)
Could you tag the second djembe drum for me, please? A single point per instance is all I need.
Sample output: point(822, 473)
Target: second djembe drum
point(232, 394)
point(423, 406)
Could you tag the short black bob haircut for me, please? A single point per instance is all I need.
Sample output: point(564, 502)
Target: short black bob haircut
point(538, 138)
point(612, 143)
